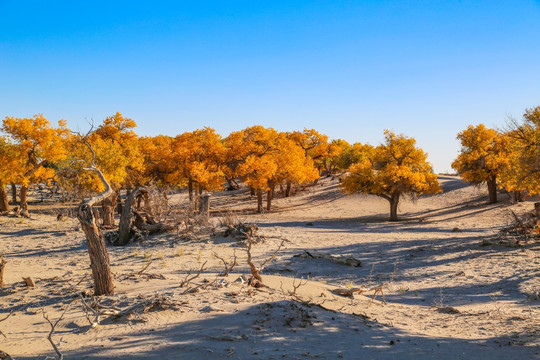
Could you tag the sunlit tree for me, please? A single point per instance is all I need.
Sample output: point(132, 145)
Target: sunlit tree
point(522, 171)
point(36, 142)
point(483, 155)
point(391, 170)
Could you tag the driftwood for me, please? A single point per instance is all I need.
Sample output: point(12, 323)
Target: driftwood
point(344, 260)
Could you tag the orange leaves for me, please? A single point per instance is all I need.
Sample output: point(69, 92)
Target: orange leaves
point(483, 154)
point(522, 168)
point(396, 168)
point(264, 158)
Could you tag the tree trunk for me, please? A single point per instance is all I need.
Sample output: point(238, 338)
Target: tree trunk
point(259, 201)
point(518, 196)
point(394, 201)
point(269, 196)
point(204, 205)
point(124, 227)
point(13, 193)
point(108, 205)
point(24, 204)
point(537, 209)
point(97, 250)
point(190, 190)
point(492, 189)
point(251, 191)
point(4, 201)
point(288, 189)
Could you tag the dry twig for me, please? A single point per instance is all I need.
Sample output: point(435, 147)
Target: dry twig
point(53, 328)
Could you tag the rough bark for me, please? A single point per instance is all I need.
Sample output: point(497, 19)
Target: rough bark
point(204, 205)
point(2, 267)
point(4, 201)
point(394, 201)
point(13, 193)
point(97, 250)
point(24, 204)
point(259, 201)
point(492, 189)
point(108, 205)
point(190, 190)
point(288, 189)
point(269, 197)
point(124, 228)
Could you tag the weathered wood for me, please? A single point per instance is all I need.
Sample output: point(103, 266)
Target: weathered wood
point(204, 205)
point(13, 193)
point(124, 227)
point(24, 204)
point(97, 250)
point(259, 201)
point(4, 201)
point(29, 281)
point(2, 267)
point(344, 260)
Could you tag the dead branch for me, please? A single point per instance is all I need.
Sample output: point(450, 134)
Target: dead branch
point(190, 278)
point(362, 289)
point(229, 265)
point(256, 280)
point(98, 310)
point(344, 260)
point(53, 328)
point(2, 267)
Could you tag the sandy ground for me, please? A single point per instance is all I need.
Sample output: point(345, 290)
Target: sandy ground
point(447, 296)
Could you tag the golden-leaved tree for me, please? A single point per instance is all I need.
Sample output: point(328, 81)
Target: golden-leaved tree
point(118, 156)
point(36, 142)
point(522, 171)
point(199, 160)
point(11, 164)
point(391, 170)
point(264, 158)
point(483, 156)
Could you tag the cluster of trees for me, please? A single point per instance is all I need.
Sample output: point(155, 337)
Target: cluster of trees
point(32, 151)
point(503, 159)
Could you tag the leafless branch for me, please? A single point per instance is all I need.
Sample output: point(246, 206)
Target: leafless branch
point(229, 265)
point(190, 277)
point(53, 328)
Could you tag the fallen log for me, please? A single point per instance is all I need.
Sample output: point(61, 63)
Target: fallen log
point(344, 260)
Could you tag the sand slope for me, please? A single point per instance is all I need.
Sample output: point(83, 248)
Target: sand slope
point(447, 296)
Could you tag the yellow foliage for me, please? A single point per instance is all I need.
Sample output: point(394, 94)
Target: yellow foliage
point(390, 171)
point(522, 170)
point(483, 154)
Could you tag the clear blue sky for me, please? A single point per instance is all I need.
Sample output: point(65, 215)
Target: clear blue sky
point(349, 69)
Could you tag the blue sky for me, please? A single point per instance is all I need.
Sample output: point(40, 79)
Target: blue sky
point(349, 69)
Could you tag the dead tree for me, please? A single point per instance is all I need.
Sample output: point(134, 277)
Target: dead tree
point(124, 228)
point(146, 220)
point(99, 257)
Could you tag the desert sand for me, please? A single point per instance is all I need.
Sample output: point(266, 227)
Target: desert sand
point(447, 296)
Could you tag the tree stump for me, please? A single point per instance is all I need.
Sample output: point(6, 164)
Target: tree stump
point(204, 205)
